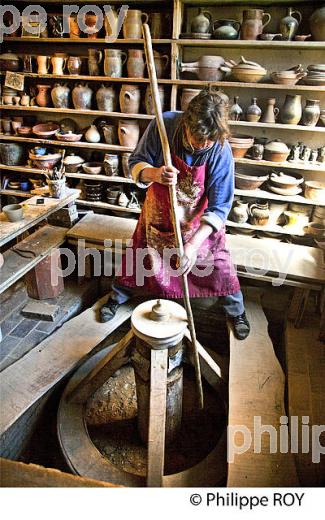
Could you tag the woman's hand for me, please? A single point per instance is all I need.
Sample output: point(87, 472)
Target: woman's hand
point(166, 175)
point(188, 259)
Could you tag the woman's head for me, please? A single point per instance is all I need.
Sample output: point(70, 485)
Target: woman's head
point(205, 119)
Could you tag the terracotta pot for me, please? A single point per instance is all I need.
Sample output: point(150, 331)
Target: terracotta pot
point(311, 112)
point(128, 132)
point(226, 29)
point(161, 63)
point(291, 110)
point(148, 99)
point(253, 112)
point(317, 24)
point(74, 31)
point(74, 65)
point(92, 24)
point(201, 23)
point(271, 112)
point(252, 25)
point(94, 59)
point(58, 65)
point(259, 213)
point(60, 95)
point(82, 97)
point(187, 95)
point(132, 26)
point(130, 99)
point(43, 98)
point(113, 62)
point(9, 62)
point(276, 151)
point(135, 63)
point(106, 99)
point(43, 63)
point(289, 24)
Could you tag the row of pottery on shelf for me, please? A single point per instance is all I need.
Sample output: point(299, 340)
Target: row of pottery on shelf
point(254, 22)
point(112, 165)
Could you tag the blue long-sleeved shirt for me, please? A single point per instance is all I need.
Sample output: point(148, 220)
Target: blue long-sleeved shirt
point(220, 167)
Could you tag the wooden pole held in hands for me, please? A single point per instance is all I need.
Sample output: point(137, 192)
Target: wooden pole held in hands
point(173, 199)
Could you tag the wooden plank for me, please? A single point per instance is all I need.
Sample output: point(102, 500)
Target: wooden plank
point(94, 113)
point(19, 474)
point(97, 228)
point(92, 146)
point(157, 417)
point(33, 214)
point(40, 244)
point(256, 389)
point(22, 385)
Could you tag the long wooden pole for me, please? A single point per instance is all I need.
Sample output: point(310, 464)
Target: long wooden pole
point(173, 199)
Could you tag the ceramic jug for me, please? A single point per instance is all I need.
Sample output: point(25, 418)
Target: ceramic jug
point(111, 164)
point(106, 99)
point(130, 99)
point(92, 135)
point(60, 95)
point(43, 97)
point(156, 25)
point(289, 24)
point(271, 112)
point(236, 111)
point(74, 31)
point(94, 58)
point(253, 112)
point(135, 63)
point(187, 95)
point(226, 29)
point(113, 62)
point(161, 63)
point(132, 25)
point(43, 63)
point(74, 65)
point(110, 134)
point(317, 24)
point(202, 22)
point(125, 165)
point(82, 97)
point(252, 25)
point(148, 99)
point(291, 111)
point(128, 132)
point(58, 65)
point(110, 24)
point(311, 112)
point(259, 213)
point(239, 212)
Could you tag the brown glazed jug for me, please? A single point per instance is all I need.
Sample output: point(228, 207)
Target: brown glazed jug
point(253, 25)
point(128, 132)
point(148, 99)
point(259, 213)
point(94, 58)
point(135, 63)
point(113, 62)
point(130, 99)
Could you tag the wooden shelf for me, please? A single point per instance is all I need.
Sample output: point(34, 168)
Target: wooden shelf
point(90, 78)
point(238, 84)
point(17, 193)
point(278, 126)
point(263, 194)
point(95, 113)
point(91, 146)
point(105, 205)
point(253, 44)
point(284, 165)
point(268, 229)
point(89, 41)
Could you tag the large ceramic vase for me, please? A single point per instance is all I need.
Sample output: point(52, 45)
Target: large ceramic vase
point(317, 24)
point(82, 97)
point(291, 111)
point(60, 95)
point(43, 97)
point(202, 22)
point(226, 29)
point(289, 24)
point(130, 99)
point(106, 99)
point(253, 112)
point(128, 132)
point(253, 24)
point(311, 112)
point(12, 154)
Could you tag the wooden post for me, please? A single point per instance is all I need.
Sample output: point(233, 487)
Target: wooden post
point(45, 280)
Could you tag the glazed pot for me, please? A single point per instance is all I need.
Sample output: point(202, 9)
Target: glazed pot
point(257, 151)
point(9, 62)
point(43, 63)
point(239, 212)
point(226, 29)
point(110, 134)
point(125, 165)
point(289, 24)
point(128, 132)
point(74, 30)
point(111, 164)
point(74, 65)
point(253, 112)
point(311, 112)
point(252, 25)
point(161, 63)
point(82, 97)
point(94, 59)
point(207, 68)
point(201, 23)
point(72, 163)
point(187, 95)
point(14, 212)
point(43, 97)
point(92, 135)
point(60, 95)
point(276, 151)
point(259, 213)
point(317, 24)
point(113, 62)
point(58, 65)
point(271, 112)
point(106, 99)
point(132, 25)
point(111, 24)
point(130, 99)
point(12, 154)
point(148, 99)
point(91, 21)
point(135, 63)
point(235, 111)
point(291, 110)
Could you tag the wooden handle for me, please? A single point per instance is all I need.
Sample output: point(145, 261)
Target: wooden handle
point(172, 194)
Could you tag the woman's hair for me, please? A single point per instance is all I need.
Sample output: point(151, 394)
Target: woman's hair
point(206, 116)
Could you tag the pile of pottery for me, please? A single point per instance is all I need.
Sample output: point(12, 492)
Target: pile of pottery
point(18, 185)
point(315, 75)
point(301, 153)
point(92, 191)
point(315, 190)
point(255, 213)
point(247, 71)
point(240, 144)
point(46, 130)
point(43, 159)
point(285, 184)
point(249, 181)
point(290, 76)
point(10, 96)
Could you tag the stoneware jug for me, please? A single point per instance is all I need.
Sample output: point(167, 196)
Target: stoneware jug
point(259, 213)
point(239, 212)
point(271, 112)
point(135, 64)
point(311, 112)
point(201, 23)
point(114, 60)
point(132, 25)
point(128, 132)
point(148, 99)
point(74, 65)
point(289, 24)
point(106, 99)
point(43, 97)
point(82, 97)
point(43, 63)
point(161, 63)
point(95, 57)
point(252, 25)
point(317, 24)
point(125, 165)
point(58, 65)
point(60, 95)
point(111, 164)
point(130, 99)
point(226, 29)
point(291, 111)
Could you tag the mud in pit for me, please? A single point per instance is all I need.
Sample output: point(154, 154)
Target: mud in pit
point(111, 417)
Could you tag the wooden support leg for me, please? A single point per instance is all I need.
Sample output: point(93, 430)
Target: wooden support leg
point(157, 417)
point(298, 305)
point(45, 280)
point(322, 327)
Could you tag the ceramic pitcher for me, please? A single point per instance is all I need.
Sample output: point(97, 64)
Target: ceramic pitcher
point(130, 99)
point(271, 112)
point(74, 65)
point(202, 22)
point(289, 24)
point(259, 213)
point(132, 26)
point(113, 62)
point(291, 111)
point(239, 212)
point(135, 63)
point(43, 63)
point(94, 59)
point(253, 24)
point(161, 63)
point(43, 97)
point(58, 64)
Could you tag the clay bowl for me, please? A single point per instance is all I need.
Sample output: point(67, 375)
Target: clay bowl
point(241, 139)
point(24, 130)
point(283, 79)
point(248, 75)
point(249, 181)
point(46, 129)
point(286, 181)
point(239, 150)
point(93, 168)
point(69, 137)
point(316, 229)
point(302, 37)
point(315, 190)
point(275, 156)
point(13, 212)
point(45, 162)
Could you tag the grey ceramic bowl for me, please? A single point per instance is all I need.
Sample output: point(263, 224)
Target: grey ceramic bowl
point(14, 212)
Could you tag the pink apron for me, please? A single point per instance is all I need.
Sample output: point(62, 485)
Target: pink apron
point(214, 273)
